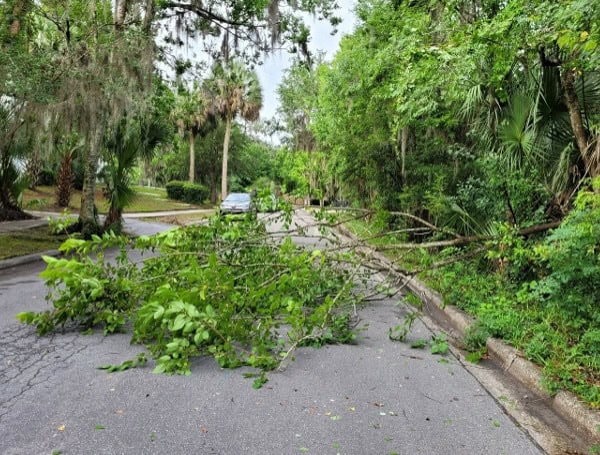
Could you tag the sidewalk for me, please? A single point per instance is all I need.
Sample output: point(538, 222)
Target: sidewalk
point(14, 226)
point(132, 226)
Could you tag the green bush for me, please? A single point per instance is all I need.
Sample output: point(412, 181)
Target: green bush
point(191, 193)
point(194, 194)
point(175, 190)
point(572, 286)
point(47, 177)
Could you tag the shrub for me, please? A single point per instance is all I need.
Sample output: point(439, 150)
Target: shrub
point(191, 193)
point(194, 194)
point(175, 190)
point(61, 224)
point(571, 253)
point(47, 177)
point(475, 338)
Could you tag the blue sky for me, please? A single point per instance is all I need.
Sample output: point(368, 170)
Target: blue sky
point(271, 72)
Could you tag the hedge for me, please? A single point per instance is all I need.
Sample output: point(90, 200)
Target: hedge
point(191, 193)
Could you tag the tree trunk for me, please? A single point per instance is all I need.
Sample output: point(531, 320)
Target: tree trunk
point(120, 13)
point(64, 182)
point(581, 135)
point(213, 191)
point(192, 174)
point(17, 13)
point(403, 146)
point(595, 161)
point(225, 158)
point(114, 219)
point(87, 213)
point(148, 16)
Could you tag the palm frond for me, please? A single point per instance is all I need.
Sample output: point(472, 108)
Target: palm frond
point(588, 91)
point(462, 221)
point(516, 131)
point(472, 103)
point(561, 174)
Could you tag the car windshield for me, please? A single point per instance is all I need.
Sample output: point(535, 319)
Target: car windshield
point(238, 197)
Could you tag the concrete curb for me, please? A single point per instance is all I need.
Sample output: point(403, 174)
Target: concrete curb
point(21, 260)
point(565, 403)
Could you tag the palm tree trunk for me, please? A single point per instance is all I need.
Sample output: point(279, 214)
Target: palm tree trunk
point(192, 157)
point(87, 213)
point(225, 158)
point(403, 145)
point(120, 13)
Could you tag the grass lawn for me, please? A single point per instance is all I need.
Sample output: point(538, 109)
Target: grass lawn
point(28, 241)
point(39, 239)
point(146, 200)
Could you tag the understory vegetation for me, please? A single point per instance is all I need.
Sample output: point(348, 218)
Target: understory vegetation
point(539, 293)
point(468, 132)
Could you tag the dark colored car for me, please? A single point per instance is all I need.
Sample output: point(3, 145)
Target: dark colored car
point(237, 203)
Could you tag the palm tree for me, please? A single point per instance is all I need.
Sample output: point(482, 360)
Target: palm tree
point(192, 115)
point(130, 140)
point(536, 130)
point(233, 90)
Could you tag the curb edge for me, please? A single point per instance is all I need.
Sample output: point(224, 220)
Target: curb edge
point(565, 403)
point(22, 260)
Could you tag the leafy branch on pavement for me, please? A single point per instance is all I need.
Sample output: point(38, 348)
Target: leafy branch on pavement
point(226, 289)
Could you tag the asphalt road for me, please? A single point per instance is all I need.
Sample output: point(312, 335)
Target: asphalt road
point(373, 397)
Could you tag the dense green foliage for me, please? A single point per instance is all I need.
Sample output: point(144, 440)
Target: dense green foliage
point(468, 130)
point(553, 318)
point(88, 69)
point(192, 193)
point(224, 289)
point(427, 108)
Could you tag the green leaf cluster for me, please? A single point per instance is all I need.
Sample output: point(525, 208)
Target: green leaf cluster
point(226, 289)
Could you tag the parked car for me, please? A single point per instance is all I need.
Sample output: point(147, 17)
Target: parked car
point(237, 203)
